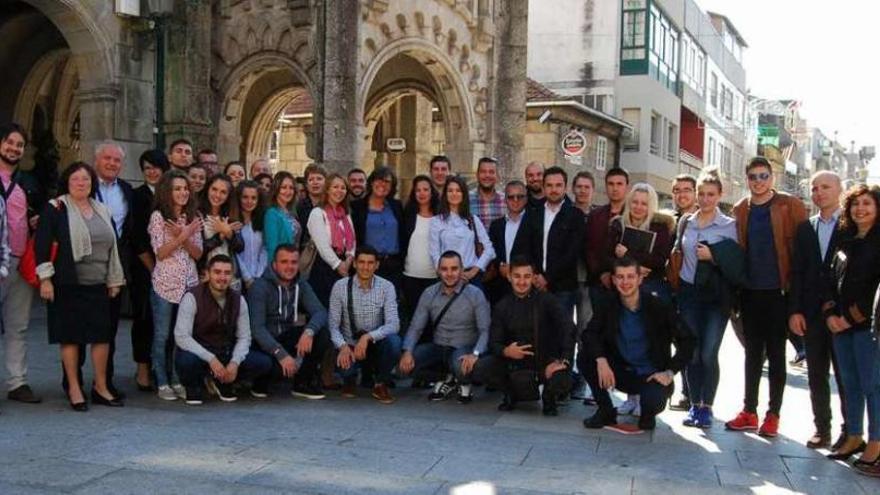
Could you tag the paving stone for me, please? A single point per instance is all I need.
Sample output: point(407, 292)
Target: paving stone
point(819, 467)
point(25, 490)
point(132, 482)
point(472, 445)
point(651, 486)
point(334, 480)
point(824, 485)
point(752, 479)
point(752, 460)
point(53, 473)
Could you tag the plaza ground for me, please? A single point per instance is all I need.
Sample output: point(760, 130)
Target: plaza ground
point(339, 446)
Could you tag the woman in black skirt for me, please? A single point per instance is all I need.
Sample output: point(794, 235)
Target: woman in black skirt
point(331, 230)
point(80, 271)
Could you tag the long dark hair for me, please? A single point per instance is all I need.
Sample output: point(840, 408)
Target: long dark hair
point(464, 209)
point(227, 209)
point(257, 215)
point(64, 180)
point(163, 201)
point(412, 206)
point(847, 224)
point(277, 181)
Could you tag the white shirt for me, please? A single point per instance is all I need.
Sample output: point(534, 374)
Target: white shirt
point(511, 227)
point(110, 193)
point(549, 217)
point(418, 255)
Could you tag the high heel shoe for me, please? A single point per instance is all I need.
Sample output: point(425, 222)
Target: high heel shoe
point(842, 456)
point(77, 406)
point(103, 401)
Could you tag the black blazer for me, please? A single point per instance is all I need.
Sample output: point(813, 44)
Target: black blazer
point(664, 329)
point(141, 208)
point(809, 272)
point(359, 210)
point(565, 246)
point(520, 241)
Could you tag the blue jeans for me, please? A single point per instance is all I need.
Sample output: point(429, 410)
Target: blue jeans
point(858, 358)
point(164, 314)
point(381, 358)
point(430, 355)
point(192, 370)
point(707, 320)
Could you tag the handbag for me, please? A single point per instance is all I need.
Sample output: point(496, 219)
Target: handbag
point(307, 258)
point(676, 257)
point(27, 264)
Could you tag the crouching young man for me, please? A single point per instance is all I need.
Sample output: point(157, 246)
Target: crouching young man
point(213, 337)
point(628, 347)
point(529, 339)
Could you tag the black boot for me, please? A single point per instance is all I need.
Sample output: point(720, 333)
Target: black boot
point(507, 404)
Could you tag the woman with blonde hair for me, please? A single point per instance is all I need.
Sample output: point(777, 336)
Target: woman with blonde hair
point(331, 229)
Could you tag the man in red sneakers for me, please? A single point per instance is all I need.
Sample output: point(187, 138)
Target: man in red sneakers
point(766, 223)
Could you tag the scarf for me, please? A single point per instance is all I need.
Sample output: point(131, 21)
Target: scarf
point(341, 232)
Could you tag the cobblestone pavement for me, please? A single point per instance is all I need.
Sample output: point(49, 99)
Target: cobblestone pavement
point(338, 446)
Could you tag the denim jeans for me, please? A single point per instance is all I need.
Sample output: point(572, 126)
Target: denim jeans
point(164, 314)
point(192, 370)
point(707, 320)
point(858, 357)
point(381, 358)
point(431, 355)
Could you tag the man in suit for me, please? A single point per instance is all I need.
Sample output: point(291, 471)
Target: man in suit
point(814, 247)
point(508, 238)
point(556, 237)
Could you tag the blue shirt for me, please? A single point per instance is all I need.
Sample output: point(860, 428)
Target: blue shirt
point(454, 234)
point(763, 270)
point(824, 230)
point(382, 231)
point(632, 342)
point(110, 193)
point(720, 228)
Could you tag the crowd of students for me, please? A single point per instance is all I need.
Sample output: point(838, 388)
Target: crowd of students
point(241, 280)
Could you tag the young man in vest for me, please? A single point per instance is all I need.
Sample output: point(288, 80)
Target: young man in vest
point(213, 337)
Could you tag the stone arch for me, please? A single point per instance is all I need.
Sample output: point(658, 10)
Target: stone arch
point(251, 97)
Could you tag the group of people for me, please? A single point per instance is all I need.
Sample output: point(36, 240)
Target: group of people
point(242, 279)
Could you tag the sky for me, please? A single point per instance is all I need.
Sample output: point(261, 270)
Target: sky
point(824, 54)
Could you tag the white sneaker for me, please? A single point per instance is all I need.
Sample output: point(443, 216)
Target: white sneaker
point(179, 391)
point(630, 406)
point(166, 393)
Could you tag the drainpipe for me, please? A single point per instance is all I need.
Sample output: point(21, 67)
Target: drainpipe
point(159, 129)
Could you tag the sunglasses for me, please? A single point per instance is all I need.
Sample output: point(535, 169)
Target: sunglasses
point(762, 176)
point(516, 197)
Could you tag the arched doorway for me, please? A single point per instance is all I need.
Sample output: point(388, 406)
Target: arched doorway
point(413, 92)
point(259, 97)
point(48, 47)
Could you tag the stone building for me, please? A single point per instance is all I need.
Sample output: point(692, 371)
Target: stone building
point(224, 72)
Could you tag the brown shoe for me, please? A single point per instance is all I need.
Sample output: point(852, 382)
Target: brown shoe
point(819, 440)
point(349, 390)
point(24, 394)
point(381, 394)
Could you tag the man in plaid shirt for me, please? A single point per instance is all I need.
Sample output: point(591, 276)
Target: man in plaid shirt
point(487, 204)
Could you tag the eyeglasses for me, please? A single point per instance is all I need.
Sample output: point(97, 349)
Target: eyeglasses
point(516, 197)
point(762, 176)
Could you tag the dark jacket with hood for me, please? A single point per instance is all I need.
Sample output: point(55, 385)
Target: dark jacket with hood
point(275, 309)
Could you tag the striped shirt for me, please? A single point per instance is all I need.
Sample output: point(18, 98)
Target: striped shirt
point(375, 311)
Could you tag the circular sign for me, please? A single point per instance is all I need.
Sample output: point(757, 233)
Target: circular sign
point(574, 143)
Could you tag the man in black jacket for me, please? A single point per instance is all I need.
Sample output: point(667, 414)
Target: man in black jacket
point(529, 339)
point(627, 347)
point(508, 238)
point(556, 237)
point(814, 246)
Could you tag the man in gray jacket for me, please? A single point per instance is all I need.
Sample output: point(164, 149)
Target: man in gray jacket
point(460, 316)
point(289, 323)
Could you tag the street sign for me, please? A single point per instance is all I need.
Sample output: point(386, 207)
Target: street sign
point(574, 143)
point(395, 145)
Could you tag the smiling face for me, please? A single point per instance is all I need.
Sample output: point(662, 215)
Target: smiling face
point(108, 163)
point(708, 196)
point(286, 192)
point(534, 178)
point(219, 275)
point(554, 188)
point(487, 175)
point(152, 174)
point(516, 199)
point(381, 188)
point(197, 177)
point(79, 185)
point(235, 173)
point(358, 183)
point(638, 207)
point(250, 198)
point(521, 278)
point(627, 280)
point(454, 196)
point(286, 265)
point(180, 192)
point(12, 148)
point(439, 173)
point(423, 192)
point(683, 195)
point(863, 212)
point(760, 180)
point(337, 191)
point(449, 270)
point(315, 184)
point(825, 191)
point(218, 193)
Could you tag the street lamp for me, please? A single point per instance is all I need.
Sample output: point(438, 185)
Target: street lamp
point(158, 11)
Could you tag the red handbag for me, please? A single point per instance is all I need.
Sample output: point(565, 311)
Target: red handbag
point(27, 265)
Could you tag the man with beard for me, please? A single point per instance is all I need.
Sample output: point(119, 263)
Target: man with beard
point(207, 158)
point(535, 184)
point(487, 204)
point(357, 184)
point(22, 198)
